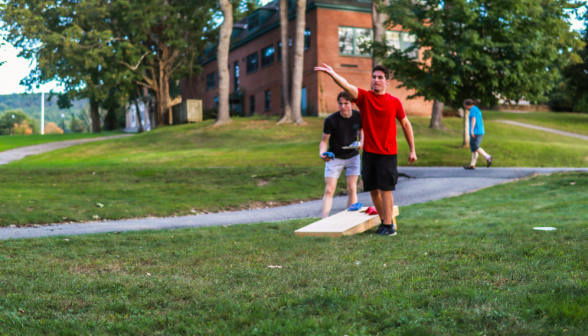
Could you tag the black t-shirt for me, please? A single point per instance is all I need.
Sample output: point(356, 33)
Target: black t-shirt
point(343, 133)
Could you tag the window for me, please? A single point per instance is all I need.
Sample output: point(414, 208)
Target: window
point(236, 69)
point(267, 56)
point(307, 39)
point(401, 41)
point(210, 81)
point(251, 105)
point(252, 62)
point(268, 100)
point(279, 51)
point(352, 41)
point(253, 21)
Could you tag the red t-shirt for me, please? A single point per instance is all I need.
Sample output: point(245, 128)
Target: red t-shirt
point(377, 116)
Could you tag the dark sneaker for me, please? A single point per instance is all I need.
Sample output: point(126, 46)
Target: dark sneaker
point(387, 232)
point(489, 162)
point(380, 228)
point(469, 167)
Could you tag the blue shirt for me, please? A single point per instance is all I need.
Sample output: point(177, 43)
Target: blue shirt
point(479, 127)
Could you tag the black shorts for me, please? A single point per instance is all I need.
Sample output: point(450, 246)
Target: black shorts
point(379, 171)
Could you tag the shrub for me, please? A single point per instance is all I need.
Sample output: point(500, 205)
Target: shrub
point(23, 128)
point(76, 125)
point(7, 122)
point(52, 128)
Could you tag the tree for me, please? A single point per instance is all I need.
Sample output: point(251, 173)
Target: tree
point(287, 117)
point(571, 93)
point(222, 56)
point(160, 41)
point(72, 43)
point(481, 49)
point(379, 19)
point(298, 69)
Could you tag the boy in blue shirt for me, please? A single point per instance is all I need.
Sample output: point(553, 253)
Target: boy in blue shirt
point(476, 134)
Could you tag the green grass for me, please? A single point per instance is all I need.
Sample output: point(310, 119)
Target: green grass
point(250, 163)
point(469, 265)
point(569, 122)
point(14, 141)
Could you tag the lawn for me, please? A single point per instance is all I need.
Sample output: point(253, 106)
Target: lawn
point(250, 163)
point(569, 122)
point(468, 265)
point(14, 141)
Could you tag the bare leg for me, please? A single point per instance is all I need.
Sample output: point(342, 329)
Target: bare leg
point(377, 200)
point(351, 190)
point(474, 159)
point(331, 186)
point(484, 154)
point(388, 206)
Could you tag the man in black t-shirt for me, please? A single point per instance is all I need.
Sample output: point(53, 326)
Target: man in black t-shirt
point(341, 130)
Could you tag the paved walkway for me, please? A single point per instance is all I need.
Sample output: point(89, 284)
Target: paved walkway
point(22, 152)
point(545, 129)
point(418, 185)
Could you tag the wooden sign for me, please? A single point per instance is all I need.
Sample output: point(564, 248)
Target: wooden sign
point(345, 223)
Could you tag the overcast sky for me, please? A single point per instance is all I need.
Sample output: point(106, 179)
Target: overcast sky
point(17, 68)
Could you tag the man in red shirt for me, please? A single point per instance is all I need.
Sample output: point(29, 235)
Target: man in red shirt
point(379, 111)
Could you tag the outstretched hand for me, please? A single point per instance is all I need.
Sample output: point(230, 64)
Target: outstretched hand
point(412, 157)
point(326, 69)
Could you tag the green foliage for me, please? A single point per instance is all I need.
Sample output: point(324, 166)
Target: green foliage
point(467, 265)
point(481, 49)
point(76, 125)
point(571, 93)
point(7, 121)
point(30, 104)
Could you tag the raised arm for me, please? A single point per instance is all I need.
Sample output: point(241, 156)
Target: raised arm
point(342, 82)
point(408, 134)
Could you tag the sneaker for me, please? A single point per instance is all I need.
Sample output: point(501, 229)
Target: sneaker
point(489, 162)
point(469, 167)
point(387, 232)
point(380, 228)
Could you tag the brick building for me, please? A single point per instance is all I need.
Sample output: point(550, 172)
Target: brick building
point(334, 33)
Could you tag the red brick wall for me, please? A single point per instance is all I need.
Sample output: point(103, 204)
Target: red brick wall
point(321, 90)
point(328, 39)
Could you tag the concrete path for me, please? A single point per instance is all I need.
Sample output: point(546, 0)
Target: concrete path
point(22, 152)
point(545, 129)
point(418, 185)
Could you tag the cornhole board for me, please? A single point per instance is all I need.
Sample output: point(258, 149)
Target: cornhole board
point(345, 223)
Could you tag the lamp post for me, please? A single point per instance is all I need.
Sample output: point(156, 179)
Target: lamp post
point(63, 121)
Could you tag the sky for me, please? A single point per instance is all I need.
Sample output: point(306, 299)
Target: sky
point(16, 68)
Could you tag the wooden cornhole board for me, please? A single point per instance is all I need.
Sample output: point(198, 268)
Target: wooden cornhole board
point(345, 223)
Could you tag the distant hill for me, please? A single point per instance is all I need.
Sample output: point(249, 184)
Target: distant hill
point(31, 105)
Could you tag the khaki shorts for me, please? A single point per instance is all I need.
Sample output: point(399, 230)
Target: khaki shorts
point(352, 166)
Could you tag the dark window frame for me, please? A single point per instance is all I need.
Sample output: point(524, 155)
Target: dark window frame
point(236, 74)
point(253, 22)
point(307, 39)
point(211, 81)
point(267, 100)
point(250, 67)
point(265, 60)
point(251, 105)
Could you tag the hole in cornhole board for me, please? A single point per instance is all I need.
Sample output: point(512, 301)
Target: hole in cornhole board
point(345, 223)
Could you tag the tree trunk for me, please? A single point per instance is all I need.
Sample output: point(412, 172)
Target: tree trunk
point(222, 57)
point(378, 21)
point(95, 115)
point(287, 117)
point(140, 129)
point(297, 75)
point(437, 116)
point(163, 96)
point(466, 129)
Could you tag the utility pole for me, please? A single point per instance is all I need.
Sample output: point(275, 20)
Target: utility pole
point(42, 113)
